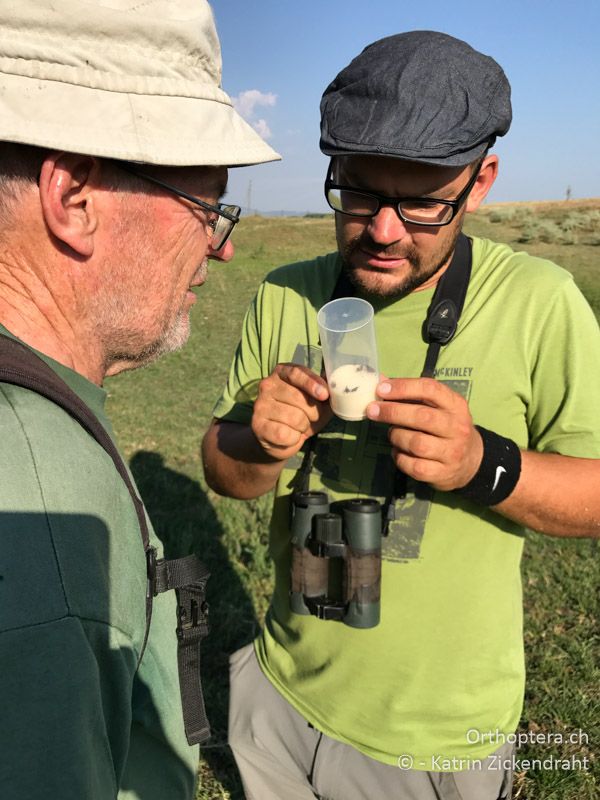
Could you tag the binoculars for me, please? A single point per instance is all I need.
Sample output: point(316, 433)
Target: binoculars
point(336, 559)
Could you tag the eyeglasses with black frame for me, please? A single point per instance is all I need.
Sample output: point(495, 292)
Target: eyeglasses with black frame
point(427, 211)
point(224, 217)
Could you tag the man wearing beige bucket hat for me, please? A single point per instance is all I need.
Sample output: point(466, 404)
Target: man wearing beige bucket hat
point(115, 139)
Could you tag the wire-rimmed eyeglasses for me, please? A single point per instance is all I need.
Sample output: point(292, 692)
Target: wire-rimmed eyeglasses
point(430, 211)
point(221, 220)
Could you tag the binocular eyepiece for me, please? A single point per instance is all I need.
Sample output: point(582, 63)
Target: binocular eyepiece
point(336, 559)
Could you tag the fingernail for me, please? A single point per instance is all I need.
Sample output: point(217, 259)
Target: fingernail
point(372, 411)
point(321, 393)
point(384, 388)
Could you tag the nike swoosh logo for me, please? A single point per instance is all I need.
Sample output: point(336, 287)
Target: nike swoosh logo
point(499, 471)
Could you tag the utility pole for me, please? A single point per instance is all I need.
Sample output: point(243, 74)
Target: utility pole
point(249, 198)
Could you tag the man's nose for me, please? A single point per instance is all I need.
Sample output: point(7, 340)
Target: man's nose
point(225, 253)
point(386, 227)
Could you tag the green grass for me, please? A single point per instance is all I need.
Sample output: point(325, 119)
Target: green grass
point(160, 414)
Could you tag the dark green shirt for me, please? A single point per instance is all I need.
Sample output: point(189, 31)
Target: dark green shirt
point(75, 720)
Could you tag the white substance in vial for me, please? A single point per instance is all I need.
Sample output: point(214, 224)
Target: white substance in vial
point(352, 388)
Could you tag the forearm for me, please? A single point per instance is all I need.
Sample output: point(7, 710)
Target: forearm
point(435, 441)
point(557, 495)
point(235, 465)
point(245, 461)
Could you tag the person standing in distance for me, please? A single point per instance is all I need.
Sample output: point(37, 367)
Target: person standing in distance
point(467, 444)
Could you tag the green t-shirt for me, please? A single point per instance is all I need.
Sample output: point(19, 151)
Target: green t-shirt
point(447, 655)
point(76, 722)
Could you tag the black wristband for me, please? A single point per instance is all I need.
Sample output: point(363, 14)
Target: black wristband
point(498, 472)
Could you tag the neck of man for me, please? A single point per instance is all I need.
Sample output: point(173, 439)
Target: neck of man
point(46, 315)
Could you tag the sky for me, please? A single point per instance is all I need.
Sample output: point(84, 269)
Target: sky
point(278, 57)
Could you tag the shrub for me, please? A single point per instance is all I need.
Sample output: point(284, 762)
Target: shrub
point(580, 220)
point(502, 215)
point(569, 237)
point(540, 230)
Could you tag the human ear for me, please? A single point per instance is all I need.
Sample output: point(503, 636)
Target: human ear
point(67, 195)
point(485, 180)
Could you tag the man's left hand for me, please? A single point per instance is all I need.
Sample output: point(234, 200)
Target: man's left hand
point(431, 431)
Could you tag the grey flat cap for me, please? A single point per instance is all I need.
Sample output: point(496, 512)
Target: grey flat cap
point(421, 96)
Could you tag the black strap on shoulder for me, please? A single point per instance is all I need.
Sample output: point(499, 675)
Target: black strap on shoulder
point(447, 304)
point(343, 287)
point(20, 366)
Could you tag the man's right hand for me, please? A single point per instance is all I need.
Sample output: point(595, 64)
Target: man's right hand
point(290, 408)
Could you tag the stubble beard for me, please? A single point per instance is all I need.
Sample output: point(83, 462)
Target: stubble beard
point(376, 283)
point(128, 348)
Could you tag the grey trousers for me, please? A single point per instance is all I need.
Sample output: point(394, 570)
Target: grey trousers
point(281, 757)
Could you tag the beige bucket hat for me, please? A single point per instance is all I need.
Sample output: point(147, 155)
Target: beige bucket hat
point(125, 79)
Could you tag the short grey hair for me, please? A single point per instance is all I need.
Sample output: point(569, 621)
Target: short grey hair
point(20, 166)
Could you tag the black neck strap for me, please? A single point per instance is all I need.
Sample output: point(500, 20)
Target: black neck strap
point(447, 304)
point(439, 327)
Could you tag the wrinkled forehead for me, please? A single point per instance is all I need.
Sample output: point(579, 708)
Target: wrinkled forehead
point(211, 181)
point(396, 175)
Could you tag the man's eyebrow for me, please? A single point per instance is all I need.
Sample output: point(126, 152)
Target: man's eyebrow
point(220, 188)
point(216, 185)
point(346, 175)
point(340, 174)
point(208, 183)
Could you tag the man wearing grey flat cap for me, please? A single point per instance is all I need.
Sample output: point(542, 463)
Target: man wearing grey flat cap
point(485, 423)
point(115, 139)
